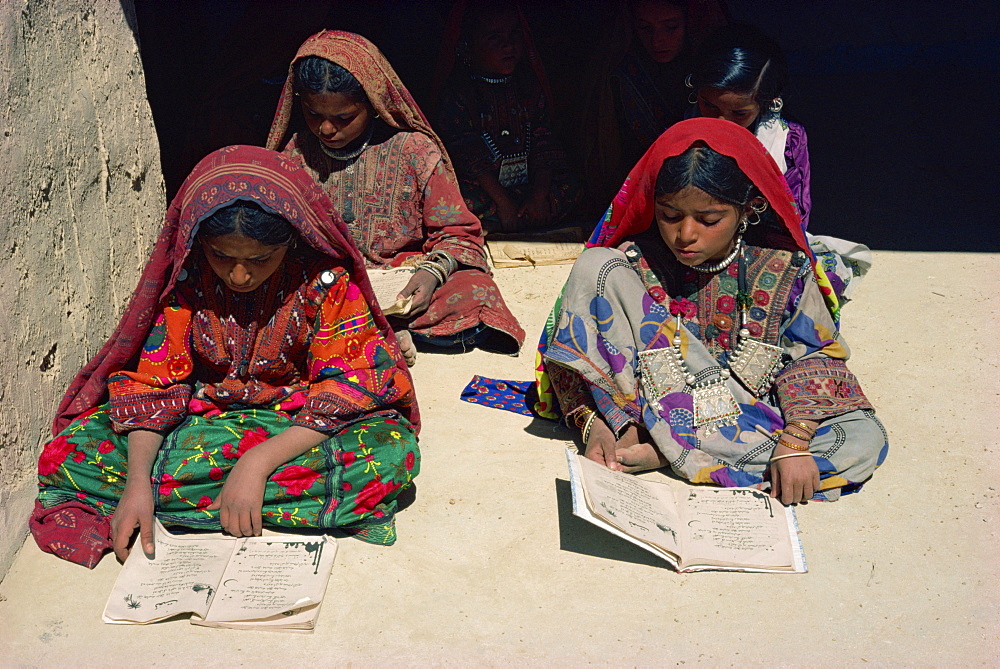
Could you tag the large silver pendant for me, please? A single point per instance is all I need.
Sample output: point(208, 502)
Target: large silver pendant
point(754, 363)
point(661, 371)
point(714, 405)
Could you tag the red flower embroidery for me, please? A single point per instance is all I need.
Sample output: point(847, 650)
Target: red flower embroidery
point(683, 307)
point(167, 484)
point(250, 439)
point(105, 447)
point(411, 460)
point(726, 303)
point(373, 493)
point(204, 502)
point(761, 298)
point(348, 457)
point(54, 454)
point(215, 473)
point(295, 479)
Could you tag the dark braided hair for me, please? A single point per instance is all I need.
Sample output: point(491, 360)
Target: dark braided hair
point(742, 59)
point(313, 74)
point(712, 172)
point(249, 219)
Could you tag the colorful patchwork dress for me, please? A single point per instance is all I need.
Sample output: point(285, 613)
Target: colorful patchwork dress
point(617, 305)
point(218, 372)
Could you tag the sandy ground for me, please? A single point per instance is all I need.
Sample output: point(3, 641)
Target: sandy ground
point(492, 569)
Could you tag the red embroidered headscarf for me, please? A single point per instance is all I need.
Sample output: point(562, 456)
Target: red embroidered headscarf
point(233, 173)
point(385, 90)
point(631, 210)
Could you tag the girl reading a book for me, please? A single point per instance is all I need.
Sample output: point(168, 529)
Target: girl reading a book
point(701, 333)
point(251, 381)
point(370, 147)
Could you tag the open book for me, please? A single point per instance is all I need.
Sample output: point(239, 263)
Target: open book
point(269, 582)
point(692, 528)
point(553, 247)
point(387, 284)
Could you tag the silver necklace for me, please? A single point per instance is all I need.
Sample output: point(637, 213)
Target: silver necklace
point(344, 155)
point(722, 264)
point(494, 80)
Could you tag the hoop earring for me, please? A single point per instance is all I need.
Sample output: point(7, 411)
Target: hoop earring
point(743, 225)
point(693, 97)
point(776, 105)
point(758, 206)
point(687, 82)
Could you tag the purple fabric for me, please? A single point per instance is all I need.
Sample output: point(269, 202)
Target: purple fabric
point(797, 169)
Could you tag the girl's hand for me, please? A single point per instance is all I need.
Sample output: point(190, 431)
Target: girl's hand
point(421, 286)
point(602, 447)
point(793, 480)
point(241, 500)
point(135, 509)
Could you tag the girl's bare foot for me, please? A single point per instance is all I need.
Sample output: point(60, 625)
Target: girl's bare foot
point(408, 348)
point(639, 458)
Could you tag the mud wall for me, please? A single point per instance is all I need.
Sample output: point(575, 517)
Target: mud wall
point(81, 194)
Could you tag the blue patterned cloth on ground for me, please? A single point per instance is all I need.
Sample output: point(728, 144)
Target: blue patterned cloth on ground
point(516, 396)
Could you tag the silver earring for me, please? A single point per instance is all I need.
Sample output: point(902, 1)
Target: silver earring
point(776, 105)
point(687, 81)
point(693, 97)
point(743, 225)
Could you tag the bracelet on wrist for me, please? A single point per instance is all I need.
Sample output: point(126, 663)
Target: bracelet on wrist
point(580, 417)
point(789, 455)
point(803, 448)
point(587, 427)
point(793, 433)
point(802, 426)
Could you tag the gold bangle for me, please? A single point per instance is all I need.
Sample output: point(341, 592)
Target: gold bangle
point(804, 436)
point(581, 416)
point(802, 426)
point(789, 455)
point(794, 447)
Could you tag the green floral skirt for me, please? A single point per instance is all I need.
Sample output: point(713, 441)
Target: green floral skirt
point(350, 481)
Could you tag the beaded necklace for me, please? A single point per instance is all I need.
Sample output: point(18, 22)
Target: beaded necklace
point(344, 155)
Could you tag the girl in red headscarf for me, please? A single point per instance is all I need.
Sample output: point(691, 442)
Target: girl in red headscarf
point(701, 334)
point(366, 142)
point(251, 381)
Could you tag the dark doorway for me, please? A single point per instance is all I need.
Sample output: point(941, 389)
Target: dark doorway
point(897, 97)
